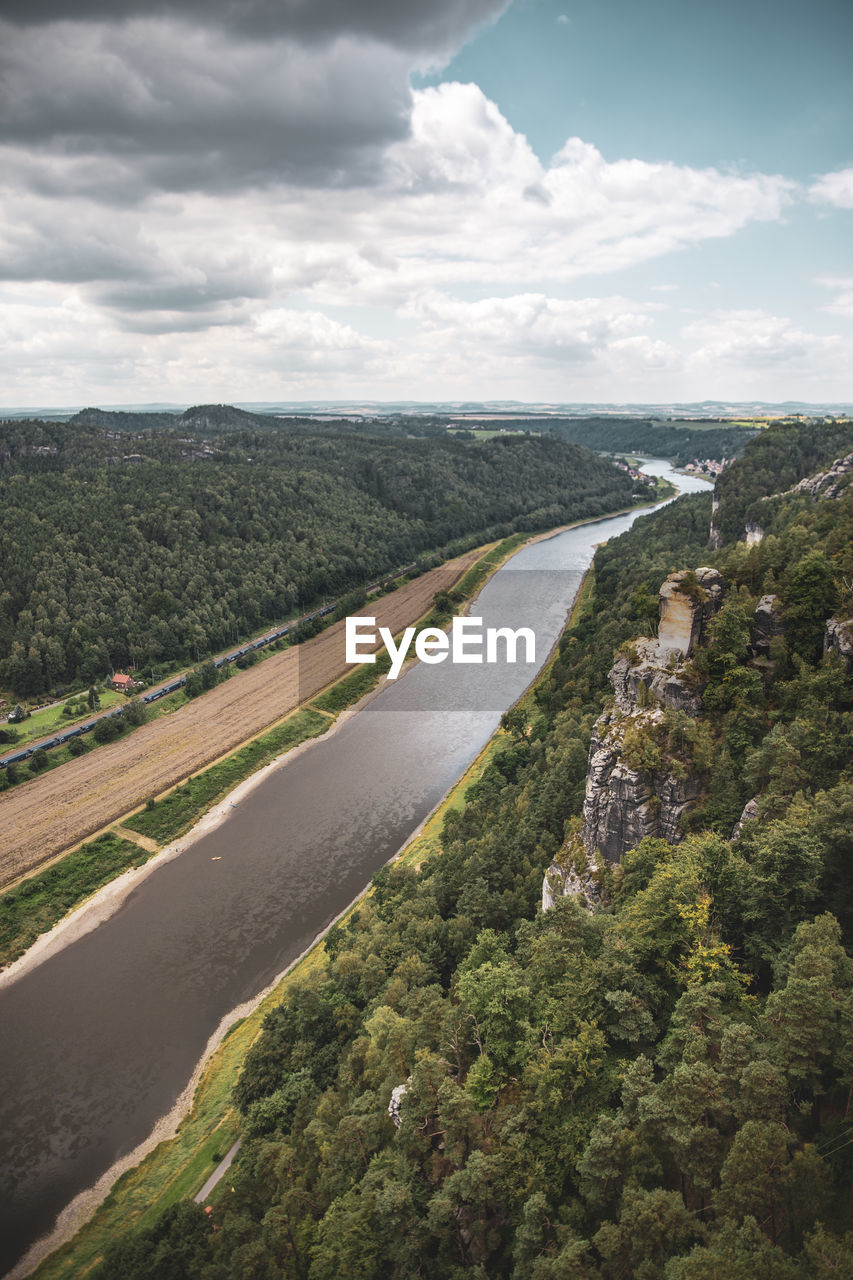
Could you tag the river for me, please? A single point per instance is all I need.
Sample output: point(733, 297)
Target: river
point(100, 1040)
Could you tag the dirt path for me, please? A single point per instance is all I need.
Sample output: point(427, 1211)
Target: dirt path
point(42, 818)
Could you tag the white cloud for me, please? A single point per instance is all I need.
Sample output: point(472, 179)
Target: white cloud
point(467, 201)
point(507, 341)
point(834, 188)
point(58, 351)
point(532, 323)
point(764, 353)
point(843, 303)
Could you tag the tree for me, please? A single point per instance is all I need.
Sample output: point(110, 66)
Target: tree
point(811, 598)
point(134, 713)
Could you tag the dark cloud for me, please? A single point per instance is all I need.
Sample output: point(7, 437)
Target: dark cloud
point(187, 109)
point(431, 26)
point(215, 95)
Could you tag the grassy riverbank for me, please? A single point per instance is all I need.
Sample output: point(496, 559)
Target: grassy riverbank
point(35, 905)
point(164, 820)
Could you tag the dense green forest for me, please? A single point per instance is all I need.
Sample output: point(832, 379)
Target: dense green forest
point(658, 1089)
point(681, 442)
point(156, 547)
point(777, 460)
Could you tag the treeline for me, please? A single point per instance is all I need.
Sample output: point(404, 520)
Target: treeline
point(159, 548)
point(681, 442)
point(660, 1089)
point(776, 461)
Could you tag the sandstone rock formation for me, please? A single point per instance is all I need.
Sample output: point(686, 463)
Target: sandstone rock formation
point(831, 483)
point(624, 804)
point(686, 609)
point(838, 638)
point(827, 484)
point(766, 624)
point(638, 678)
point(564, 880)
point(715, 537)
point(750, 813)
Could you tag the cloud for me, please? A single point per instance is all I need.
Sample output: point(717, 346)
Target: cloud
point(763, 344)
point(505, 342)
point(191, 194)
point(63, 352)
point(834, 188)
point(523, 324)
point(461, 201)
point(181, 108)
point(843, 303)
point(466, 201)
point(209, 94)
point(439, 26)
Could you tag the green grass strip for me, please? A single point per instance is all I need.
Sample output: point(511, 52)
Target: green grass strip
point(478, 572)
point(181, 809)
point(37, 903)
point(354, 686)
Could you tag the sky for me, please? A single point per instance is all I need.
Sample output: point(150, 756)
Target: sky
point(570, 201)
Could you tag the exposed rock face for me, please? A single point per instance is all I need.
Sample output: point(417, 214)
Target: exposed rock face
point(838, 638)
point(641, 678)
point(397, 1096)
point(685, 613)
point(715, 537)
point(563, 880)
point(750, 813)
point(754, 533)
point(623, 805)
point(827, 484)
point(766, 624)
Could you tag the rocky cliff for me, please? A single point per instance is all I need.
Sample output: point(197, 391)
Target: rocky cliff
point(830, 483)
point(838, 639)
point(633, 788)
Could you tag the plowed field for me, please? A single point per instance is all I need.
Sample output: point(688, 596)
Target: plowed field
point(41, 818)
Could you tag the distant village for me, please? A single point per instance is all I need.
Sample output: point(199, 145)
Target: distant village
point(699, 467)
point(632, 471)
point(708, 467)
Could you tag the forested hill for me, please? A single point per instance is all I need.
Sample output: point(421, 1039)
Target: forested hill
point(682, 442)
point(160, 546)
point(774, 462)
point(655, 1089)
